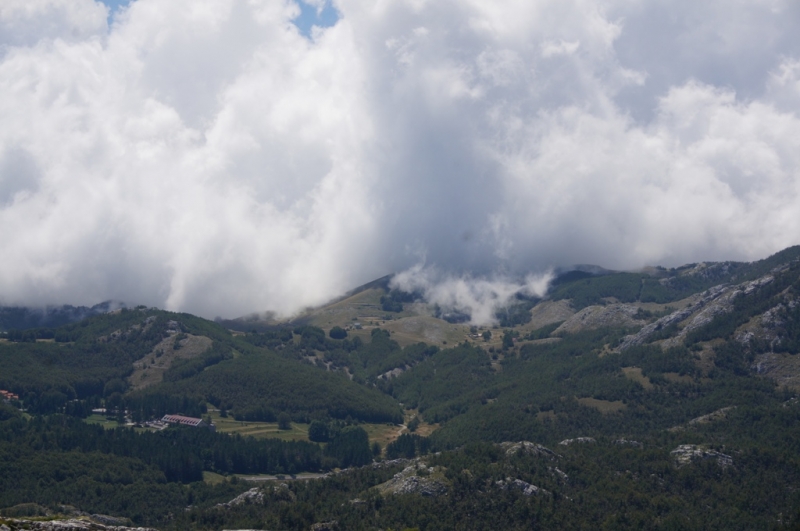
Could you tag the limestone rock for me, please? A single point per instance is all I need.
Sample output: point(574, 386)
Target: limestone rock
point(252, 496)
point(577, 440)
point(687, 454)
point(417, 479)
point(526, 488)
point(720, 414)
point(527, 448)
point(626, 442)
point(675, 317)
point(71, 524)
point(613, 315)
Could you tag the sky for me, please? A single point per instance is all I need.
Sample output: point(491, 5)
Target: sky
point(229, 156)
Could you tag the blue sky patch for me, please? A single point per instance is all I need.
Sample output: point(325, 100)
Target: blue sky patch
point(309, 17)
point(113, 6)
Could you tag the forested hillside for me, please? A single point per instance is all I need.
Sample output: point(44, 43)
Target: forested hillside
point(666, 399)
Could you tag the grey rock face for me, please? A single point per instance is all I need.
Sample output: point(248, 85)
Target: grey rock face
point(527, 448)
point(417, 479)
point(709, 304)
point(254, 495)
point(325, 526)
point(613, 315)
point(577, 440)
point(517, 484)
point(719, 414)
point(626, 442)
point(73, 524)
point(675, 317)
point(687, 454)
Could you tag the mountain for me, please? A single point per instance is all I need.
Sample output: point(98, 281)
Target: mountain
point(664, 398)
point(20, 317)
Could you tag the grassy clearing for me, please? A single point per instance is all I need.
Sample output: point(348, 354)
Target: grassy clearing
point(423, 429)
point(212, 478)
point(603, 406)
point(546, 415)
point(103, 421)
point(260, 430)
point(383, 434)
point(674, 377)
point(635, 374)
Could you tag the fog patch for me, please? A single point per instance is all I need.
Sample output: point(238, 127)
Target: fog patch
point(478, 299)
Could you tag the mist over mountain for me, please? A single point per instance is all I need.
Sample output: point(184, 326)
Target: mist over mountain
point(209, 156)
point(16, 317)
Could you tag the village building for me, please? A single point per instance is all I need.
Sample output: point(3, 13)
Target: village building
point(8, 395)
point(187, 421)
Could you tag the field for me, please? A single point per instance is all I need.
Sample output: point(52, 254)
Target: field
point(603, 406)
point(635, 374)
point(261, 430)
point(108, 424)
point(212, 478)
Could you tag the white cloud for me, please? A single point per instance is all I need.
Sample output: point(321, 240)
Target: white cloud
point(27, 22)
point(204, 156)
point(477, 297)
point(551, 48)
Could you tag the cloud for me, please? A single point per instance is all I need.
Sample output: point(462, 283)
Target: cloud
point(479, 298)
point(26, 22)
point(204, 155)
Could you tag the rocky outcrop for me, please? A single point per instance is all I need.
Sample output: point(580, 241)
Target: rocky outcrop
point(784, 368)
point(768, 326)
point(577, 440)
point(643, 335)
point(394, 373)
point(549, 312)
point(417, 479)
point(252, 496)
point(558, 473)
point(613, 315)
point(720, 305)
point(687, 454)
point(526, 488)
point(626, 442)
point(700, 312)
point(72, 524)
point(325, 526)
point(720, 414)
point(527, 448)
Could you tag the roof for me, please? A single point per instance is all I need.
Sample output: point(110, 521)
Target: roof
point(180, 419)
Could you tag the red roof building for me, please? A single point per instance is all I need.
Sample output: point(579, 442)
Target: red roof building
point(8, 395)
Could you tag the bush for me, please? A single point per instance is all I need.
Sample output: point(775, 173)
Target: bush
point(318, 431)
point(337, 332)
